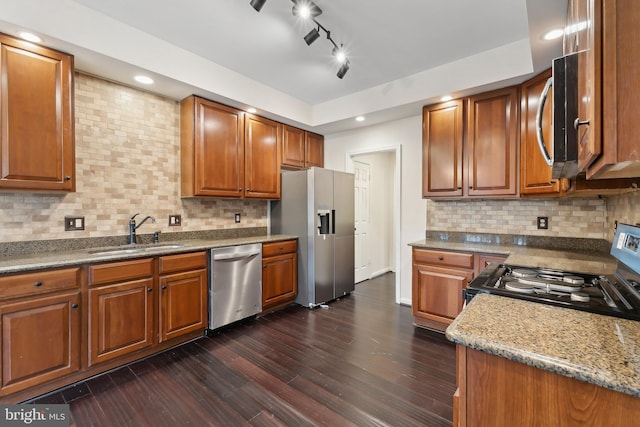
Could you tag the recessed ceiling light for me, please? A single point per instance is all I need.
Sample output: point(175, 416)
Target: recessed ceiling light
point(30, 37)
point(143, 79)
point(252, 110)
point(360, 119)
point(446, 98)
point(553, 34)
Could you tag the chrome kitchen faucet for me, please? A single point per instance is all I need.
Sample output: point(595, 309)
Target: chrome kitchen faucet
point(133, 227)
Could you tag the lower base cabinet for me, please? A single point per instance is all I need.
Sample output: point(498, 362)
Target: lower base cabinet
point(498, 392)
point(438, 279)
point(40, 340)
point(279, 274)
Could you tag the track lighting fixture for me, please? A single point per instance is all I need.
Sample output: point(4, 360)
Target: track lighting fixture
point(312, 36)
point(307, 9)
point(343, 69)
point(257, 4)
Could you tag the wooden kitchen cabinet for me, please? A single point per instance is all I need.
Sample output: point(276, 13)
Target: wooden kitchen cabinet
point(314, 150)
point(262, 157)
point(438, 279)
point(37, 148)
point(41, 328)
point(470, 147)
point(523, 395)
point(225, 152)
point(535, 174)
point(437, 282)
point(183, 294)
point(279, 274)
point(121, 308)
point(301, 149)
point(442, 149)
point(608, 90)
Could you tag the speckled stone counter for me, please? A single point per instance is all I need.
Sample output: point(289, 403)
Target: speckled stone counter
point(582, 260)
point(61, 258)
point(589, 347)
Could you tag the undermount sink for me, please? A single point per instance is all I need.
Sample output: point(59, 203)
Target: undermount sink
point(134, 249)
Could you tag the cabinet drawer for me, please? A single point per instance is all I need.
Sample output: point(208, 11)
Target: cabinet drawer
point(40, 282)
point(453, 259)
point(181, 262)
point(278, 248)
point(120, 271)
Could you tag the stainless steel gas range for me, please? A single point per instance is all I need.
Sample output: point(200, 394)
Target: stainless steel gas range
point(613, 295)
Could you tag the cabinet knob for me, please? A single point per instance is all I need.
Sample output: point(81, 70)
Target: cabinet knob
point(149, 289)
point(164, 286)
point(74, 305)
point(37, 284)
point(441, 258)
point(67, 178)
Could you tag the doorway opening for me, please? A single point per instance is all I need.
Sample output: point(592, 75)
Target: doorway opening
point(377, 211)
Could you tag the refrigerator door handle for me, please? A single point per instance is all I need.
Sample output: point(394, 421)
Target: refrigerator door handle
point(333, 221)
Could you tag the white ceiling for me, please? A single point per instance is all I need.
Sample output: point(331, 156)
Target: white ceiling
point(403, 53)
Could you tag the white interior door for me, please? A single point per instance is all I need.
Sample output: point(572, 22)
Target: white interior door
point(362, 172)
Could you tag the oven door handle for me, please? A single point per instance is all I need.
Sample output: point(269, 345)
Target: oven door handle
point(540, 136)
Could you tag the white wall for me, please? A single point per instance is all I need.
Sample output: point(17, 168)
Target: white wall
point(406, 134)
point(380, 236)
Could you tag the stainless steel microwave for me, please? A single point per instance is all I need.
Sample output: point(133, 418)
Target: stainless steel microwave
point(564, 81)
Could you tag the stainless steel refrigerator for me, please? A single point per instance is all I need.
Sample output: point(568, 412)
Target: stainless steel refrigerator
point(317, 205)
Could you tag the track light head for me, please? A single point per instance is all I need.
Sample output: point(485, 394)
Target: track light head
point(257, 4)
point(343, 69)
point(312, 36)
point(305, 9)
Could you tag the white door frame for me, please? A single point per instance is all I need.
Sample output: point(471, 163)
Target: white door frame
point(397, 150)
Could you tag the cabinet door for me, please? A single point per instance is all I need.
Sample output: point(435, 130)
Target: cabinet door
point(492, 144)
point(584, 22)
point(212, 149)
point(40, 340)
point(442, 139)
point(120, 319)
point(437, 292)
point(293, 147)
point(36, 118)
point(314, 150)
point(183, 303)
point(279, 280)
point(262, 158)
point(535, 174)
point(485, 259)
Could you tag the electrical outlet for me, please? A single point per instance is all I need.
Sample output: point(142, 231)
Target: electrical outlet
point(175, 220)
point(543, 223)
point(237, 218)
point(73, 223)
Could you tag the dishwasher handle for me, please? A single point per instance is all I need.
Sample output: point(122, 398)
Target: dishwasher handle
point(235, 257)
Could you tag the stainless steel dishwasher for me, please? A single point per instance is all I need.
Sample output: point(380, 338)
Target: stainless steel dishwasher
point(235, 288)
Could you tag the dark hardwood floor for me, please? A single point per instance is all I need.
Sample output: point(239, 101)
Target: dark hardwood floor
point(359, 362)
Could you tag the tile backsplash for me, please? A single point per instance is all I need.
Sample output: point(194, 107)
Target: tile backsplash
point(127, 161)
point(592, 218)
point(568, 217)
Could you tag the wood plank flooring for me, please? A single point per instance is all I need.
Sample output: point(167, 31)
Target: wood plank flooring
point(359, 362)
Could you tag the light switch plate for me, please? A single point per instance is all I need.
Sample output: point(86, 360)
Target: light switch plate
point(175, 220)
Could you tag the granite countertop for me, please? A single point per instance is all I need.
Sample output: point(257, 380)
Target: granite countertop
point(597, 349)
point(578, 260)
point(24, 263)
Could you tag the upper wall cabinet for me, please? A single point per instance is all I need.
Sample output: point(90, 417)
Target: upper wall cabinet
point(470, 147)
point(301, 149)
point(227, 153)
point(36, 118)
point(535, 174)
point(608, 85)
